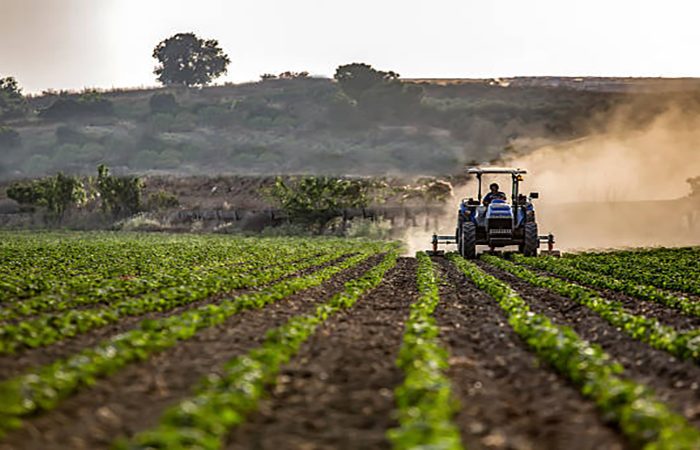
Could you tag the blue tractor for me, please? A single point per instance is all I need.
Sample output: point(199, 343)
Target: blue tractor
point(491, 221)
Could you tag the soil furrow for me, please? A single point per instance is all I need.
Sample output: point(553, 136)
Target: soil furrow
point(337, 393)
point(134, 398)
point(13, 365)
point(664, 314)
point(675, 382)
point(508, 400)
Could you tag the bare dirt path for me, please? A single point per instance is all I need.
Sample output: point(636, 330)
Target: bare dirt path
point(13, 365)
point(337, 393)
point(675, 382)
point(508, 400)
point(134, 398)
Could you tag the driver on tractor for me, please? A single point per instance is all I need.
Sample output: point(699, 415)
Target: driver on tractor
point(494, 194)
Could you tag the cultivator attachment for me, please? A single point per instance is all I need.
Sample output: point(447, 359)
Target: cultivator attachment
point(437, 240)
point(549, 240)
point(445, 240)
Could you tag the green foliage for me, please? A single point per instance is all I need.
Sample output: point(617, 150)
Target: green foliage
point(49, 328)
point(163, 103)
point(316, 200)
point(161, 200)
point(43, 388)
point(87, 105)
point(12, 102)
point(672, 269)
point(563, 267)
point(184, 59)
point(55, 194)
point(645, 421)
point(376, 92)
point(684, 345)
point(120, 196)
point(357, 79)
point(223, 401)
point(360, 227)
point(424, 399)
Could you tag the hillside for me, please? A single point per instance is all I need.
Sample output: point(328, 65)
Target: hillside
point(296, 126)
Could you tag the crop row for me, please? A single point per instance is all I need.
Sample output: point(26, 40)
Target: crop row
point(645, 421)
point(47, 329)
point(685, 345)
point(44, 387)
point(222, 401)
point(424, 399)
point(125, 268)
point(672, 269)
point(109, 291)
point(61, 263)
point(562, 267)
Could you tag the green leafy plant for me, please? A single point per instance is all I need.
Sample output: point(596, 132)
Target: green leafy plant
point(56, 194)
point(44, 387)
point(562, 267)
point(424, 399)
point(644, 420)
point(120, 196)
point(685, 345)
point(222, 401)
point(316, 200)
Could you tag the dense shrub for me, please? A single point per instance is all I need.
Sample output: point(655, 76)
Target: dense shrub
point(55, 194)
point(87, 105)
point(317, 200)
point(161, 200)
point(163, 103)
point(12, 102)
point(120, 196)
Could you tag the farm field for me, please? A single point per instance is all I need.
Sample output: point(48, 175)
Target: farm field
point(145, 340)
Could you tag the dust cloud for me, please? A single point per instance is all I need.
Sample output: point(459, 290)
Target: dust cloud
point(623, 185)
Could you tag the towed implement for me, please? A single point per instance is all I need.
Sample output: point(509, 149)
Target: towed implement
point(492, 221)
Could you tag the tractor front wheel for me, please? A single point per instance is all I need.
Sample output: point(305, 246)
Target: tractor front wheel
point(531, 241)
point(467, 244)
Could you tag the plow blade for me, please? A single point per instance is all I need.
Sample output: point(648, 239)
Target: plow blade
point(437, 240)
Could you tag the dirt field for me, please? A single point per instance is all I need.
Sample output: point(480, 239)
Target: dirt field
point(341, 387)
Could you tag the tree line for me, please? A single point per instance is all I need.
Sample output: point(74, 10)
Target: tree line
point(185, 59)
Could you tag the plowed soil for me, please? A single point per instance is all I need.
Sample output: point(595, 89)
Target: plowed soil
point(664, 314)
point(13, 365)
point(508, 401)
point(338, 392)
point(675, 382)
point(134, 397)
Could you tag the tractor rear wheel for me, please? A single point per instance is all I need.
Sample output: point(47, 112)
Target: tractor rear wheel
point(531, 241)
point(467, 244)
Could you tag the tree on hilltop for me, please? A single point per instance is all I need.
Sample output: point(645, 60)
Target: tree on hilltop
point(184, 59)
point(12, 101)
point(357, 79)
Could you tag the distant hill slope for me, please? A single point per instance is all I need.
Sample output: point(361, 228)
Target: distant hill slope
point(303, 126)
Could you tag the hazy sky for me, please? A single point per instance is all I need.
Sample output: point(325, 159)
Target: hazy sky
point(104, 43)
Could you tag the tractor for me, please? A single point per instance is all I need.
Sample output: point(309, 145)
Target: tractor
point(493, 222)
